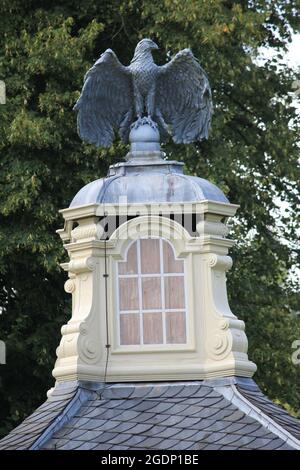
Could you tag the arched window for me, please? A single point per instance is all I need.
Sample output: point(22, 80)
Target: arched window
point(151, 294)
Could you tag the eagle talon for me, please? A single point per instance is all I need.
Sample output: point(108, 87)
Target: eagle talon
point(142, 121)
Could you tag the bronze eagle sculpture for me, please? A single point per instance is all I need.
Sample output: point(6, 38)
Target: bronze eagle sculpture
point(175, 97)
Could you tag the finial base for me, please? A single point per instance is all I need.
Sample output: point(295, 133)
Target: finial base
point(144, 137)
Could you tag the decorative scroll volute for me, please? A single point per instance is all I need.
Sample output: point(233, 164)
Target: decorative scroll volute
point(89, 229)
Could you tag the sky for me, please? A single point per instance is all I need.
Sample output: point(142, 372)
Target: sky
point(293, 56)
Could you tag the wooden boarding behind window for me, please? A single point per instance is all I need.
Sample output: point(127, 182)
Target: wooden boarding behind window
point(151, 294)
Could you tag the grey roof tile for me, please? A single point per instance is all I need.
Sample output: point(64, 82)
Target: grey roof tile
point(140, 428)
point(277, 414)
point(269, 444)
point(106, 437)
point(132, 403)
point(23, 441)
point(261, 432)
point(234, 416)
point(194, 389)
point(205, 446)
point(189, 422)
point(91, 412)
point(149, 443)
point(178, 416)
point(145, 417)
point(184, 445)
point(108, 414)
point(156, 392)
point(252, 442)
point(162, 431)
point(123, 426)
point(216, 437)
point(218, 402)
point(166, 444)
point(87, 446)
point(284, 447)
point(102, 446)
point(31, 428)
point(57, 444)
point(172, 391)
point(206, 392)
point(117, 392)
point(110, 404)
point(119, 447)
point(91, 435)
point(236, 439)
point(186, 401)
point(214, 412)
point(166, 420)
point(74, 444)
point(228, 447)
point(79, 422)
point(160, 407)
point(192, 435)
point(143, 391)
point(244, 428)
point(180, 409)
point(191, 410)
point(90, 424)
point(203, 423)
point(135, 440)
point(118, 438)
point(49, 445)
point(69, 433)
point(128, 415)
point(61, 442)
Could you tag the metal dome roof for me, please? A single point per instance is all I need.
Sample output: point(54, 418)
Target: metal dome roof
point(148, 182)
point(146, 177)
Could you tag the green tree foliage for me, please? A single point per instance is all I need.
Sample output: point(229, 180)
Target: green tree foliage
point(45, 49)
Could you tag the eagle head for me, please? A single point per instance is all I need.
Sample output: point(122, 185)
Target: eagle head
point(145, 45)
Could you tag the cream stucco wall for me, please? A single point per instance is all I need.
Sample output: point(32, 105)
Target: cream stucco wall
point(216, 342)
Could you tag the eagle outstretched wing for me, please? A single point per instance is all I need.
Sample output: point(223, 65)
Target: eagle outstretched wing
point(106, 101)
point(183, 98)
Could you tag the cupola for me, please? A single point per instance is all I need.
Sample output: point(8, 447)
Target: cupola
point(148, 253)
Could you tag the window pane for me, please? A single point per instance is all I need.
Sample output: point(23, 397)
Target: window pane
point(130, 328)
point(151, 287)
point(150, 259)
point(129, 297)
point(175, 327)
point(171, 265)
point(174, 292)
point(129, 266)
point(152, 328)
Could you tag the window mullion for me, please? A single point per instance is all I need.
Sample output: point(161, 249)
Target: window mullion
point(162, 286)
point(140, 291)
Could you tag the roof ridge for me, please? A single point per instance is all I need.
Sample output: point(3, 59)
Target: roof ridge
point(232, 394)
point(81, 396)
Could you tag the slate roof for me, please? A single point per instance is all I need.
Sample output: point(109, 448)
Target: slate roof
point(219, 414)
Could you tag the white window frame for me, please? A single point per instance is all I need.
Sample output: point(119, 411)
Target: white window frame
point(162, 310)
